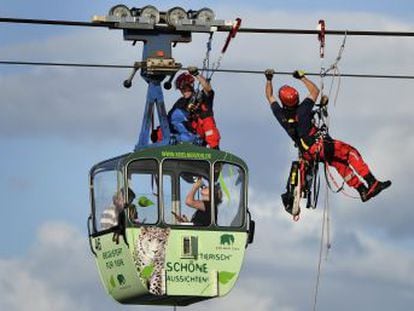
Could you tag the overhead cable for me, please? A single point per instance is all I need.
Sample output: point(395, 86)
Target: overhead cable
point(378, 33)
point(230, 71)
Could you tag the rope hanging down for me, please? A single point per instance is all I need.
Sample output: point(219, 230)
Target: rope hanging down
point(325, 237)
point(323, 113)
point(323, 125)
point(335, 76)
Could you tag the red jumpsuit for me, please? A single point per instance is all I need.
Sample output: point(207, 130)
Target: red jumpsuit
point(342, 156)
point(204, 123)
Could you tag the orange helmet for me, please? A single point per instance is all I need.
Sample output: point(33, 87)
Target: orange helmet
point(184, 80)
point(289, 96)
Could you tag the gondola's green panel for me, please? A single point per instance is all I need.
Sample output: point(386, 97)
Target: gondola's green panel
point(179, 262)
point(117, 269)
point(203, 263)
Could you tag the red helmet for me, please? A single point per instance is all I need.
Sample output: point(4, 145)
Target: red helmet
point(289, 96)
point(184, 80)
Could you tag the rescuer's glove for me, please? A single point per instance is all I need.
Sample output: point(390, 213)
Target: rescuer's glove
point(299, 74)
point(193, 70)
point(269, 74)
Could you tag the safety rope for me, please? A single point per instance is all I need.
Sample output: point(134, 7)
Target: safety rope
point(324, 117)
point(216, 65)
point(321, 38)
point(335, 76)
point(206, 60)
point(335, 69)
point(339, 188)
point(206, 65)
point(232, 34)
point(325, 241)
point(323, 124)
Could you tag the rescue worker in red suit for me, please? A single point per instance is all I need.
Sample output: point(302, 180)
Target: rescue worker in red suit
point(297, 119)
point(194, 110)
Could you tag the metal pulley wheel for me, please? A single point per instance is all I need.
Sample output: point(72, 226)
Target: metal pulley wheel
point(151, 13)
point(175, 15)
point(120, 11)
point(205, 15)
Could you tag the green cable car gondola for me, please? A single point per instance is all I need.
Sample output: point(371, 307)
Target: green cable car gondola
point(155, 256)
point(150, 244)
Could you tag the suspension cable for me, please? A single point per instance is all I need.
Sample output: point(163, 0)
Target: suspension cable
point(377, 33)
point(230, 71)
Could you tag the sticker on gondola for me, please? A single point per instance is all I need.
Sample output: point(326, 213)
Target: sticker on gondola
point(186, 155)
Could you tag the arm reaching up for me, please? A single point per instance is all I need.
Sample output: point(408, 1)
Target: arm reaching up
point(312, 88)
point(269, 86)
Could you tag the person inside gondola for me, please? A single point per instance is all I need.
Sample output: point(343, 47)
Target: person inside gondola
point(297, 119)
point(130, 208)
point(191, 118)
point(109, 217)
point(202, 215)
point(113, 215)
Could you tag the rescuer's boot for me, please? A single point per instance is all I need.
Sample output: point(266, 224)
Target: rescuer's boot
point(375, 186)
point(362, 190)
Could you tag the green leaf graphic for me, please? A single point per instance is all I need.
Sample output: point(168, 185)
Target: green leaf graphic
point(144, 201)
point(112, 281)
point(224, 188)
point(225, 277)
point(147, 271)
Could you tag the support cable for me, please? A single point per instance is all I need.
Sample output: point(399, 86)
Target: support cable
point(230, 71)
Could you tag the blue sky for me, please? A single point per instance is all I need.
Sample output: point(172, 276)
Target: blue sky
point(56, 123)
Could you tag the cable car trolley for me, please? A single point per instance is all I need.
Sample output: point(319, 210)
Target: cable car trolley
point(169, 222)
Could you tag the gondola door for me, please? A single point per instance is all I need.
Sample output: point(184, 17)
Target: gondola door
point(204, 258)
point(108, 239)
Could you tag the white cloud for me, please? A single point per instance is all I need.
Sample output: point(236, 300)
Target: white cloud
point(22, 291)
point(287, 253)
point(58, 272)
point(50, 275)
